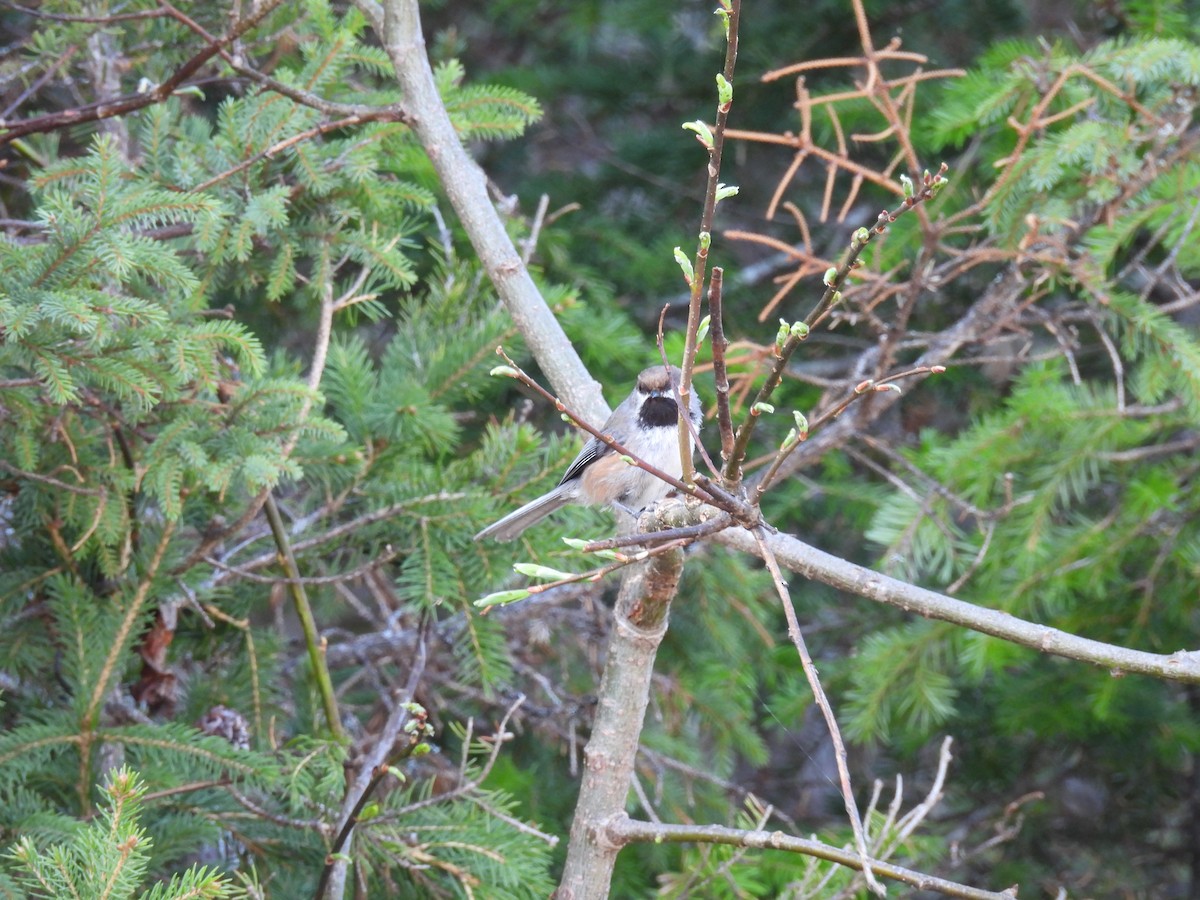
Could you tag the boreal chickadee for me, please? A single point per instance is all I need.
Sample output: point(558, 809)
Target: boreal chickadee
point(646, 424)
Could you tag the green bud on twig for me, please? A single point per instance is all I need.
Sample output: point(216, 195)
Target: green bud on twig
point(533, 570)
point(723, 11)
point(703, 133)
point(578, 544)
point(799, 330)
point(906, 183)
point(761, 407)
point(702, 331)
point(499, 598)
point(830, 278)
point(724, 90)
point(685, 266)
point(507, 371)
point(801, 424)
point(726, 190)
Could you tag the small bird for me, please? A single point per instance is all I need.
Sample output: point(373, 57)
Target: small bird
point(646, 424)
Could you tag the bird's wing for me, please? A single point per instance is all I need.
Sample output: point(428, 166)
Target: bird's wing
point(592, 451)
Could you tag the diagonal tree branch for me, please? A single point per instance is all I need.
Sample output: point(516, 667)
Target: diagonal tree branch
point(398, 23)
point(820, 566)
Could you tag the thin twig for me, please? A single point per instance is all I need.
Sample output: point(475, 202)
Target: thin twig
point(373, 767)
point(860, 390)
point(498, 739)
point(312, 637)
point(720, 370)
point(835, 734)
point(53, 482)
point(120, 106)
point(628, 830)
point(388, 555)
point(731, 11)
point(652, 538)
point(834, 281)
point(677, 392)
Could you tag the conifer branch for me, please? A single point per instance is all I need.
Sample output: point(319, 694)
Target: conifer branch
point(349, 111)
point(111, 665)
point(380, 115)
point(107, 109)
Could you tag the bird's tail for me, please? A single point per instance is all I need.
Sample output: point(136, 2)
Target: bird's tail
point(512, 525)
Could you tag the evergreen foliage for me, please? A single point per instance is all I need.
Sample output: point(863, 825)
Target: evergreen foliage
point(165, 273)
point(107, 858)
point(150, 389)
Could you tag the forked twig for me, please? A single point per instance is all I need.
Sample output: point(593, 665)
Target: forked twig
point(822, 701)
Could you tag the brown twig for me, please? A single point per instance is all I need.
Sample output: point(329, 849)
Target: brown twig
point(626, 830)
point(388, 555)
point(822, 701)
point(52, 482)
point(107, 109)
point(797, 334)
point(731, 12)
point(677, 391)
point(720, 370)
point(373, 767)
point(652, 538)
point(860, 390)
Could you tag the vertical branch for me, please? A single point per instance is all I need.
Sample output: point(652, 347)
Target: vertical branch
point(639, 624)
point(732, 13)
point(720, 371)
point(312, 639)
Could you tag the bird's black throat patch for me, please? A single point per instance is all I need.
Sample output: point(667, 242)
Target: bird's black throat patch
point(657, 412)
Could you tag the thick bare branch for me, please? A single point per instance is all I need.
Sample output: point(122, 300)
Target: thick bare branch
point(820, 566)
point(466, 186)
